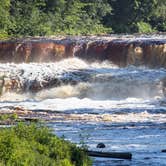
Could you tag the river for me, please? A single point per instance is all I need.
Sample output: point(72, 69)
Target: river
point(124, 108)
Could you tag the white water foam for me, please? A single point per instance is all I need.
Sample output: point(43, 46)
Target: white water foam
point(106, 86)
point(75, 103)
point(96, 81)
point(103, 96)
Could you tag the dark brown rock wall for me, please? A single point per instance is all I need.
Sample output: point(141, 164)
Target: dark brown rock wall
point(120, 51)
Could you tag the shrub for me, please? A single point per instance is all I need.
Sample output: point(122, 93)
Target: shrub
point(144, 27)
point(34, 145)
point(3, 35)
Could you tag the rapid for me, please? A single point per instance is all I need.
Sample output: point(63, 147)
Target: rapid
point(122, 107)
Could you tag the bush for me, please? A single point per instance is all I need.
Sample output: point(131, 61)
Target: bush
point(144, 27)
point(34, 145)
point(3, 35)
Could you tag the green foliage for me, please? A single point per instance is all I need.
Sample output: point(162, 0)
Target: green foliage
point(73, 17)
point(158, 18)
point(4, 117)
point(27, 18)
point(4, 17)
point(144, 27)
point(3, 35)
point(4, 13)
point(51, 17)
point(33, 145)
point(129, 15)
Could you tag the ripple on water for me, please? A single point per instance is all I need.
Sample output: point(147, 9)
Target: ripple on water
point(124, 108)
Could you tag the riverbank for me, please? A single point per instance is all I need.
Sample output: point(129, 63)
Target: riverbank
point(37, 145)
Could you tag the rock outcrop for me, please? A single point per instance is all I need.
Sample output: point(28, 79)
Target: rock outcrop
point(121, 51)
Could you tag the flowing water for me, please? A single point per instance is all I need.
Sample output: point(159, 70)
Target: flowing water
point(124, 108)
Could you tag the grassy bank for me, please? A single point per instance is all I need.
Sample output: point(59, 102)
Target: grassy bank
point(34, 145)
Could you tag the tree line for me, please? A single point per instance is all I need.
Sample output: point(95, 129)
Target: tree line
point(72, 17)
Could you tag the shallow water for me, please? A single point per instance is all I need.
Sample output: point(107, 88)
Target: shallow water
point(125, 108)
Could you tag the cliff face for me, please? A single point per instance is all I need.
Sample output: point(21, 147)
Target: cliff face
point(121, 51)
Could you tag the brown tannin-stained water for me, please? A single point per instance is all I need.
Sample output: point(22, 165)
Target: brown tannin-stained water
point(122, 107)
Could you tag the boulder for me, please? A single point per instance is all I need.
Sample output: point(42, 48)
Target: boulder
point(100, 145)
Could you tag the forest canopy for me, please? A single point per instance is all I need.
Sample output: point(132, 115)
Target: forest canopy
point(73, 17)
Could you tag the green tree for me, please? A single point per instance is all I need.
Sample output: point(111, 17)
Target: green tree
point(158, 19)
point(94, 12)
point(54, 9)
point(27, 18)
point(52, 17)
point(4, 17)
point(128, 15)
point(72, 16)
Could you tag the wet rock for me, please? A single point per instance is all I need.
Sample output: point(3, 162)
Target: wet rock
point(100, 145)
point(164, 86)
point(11, 84)
point(121, 51)
point(163, 150)
point(133, 125)
point(146, 158)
